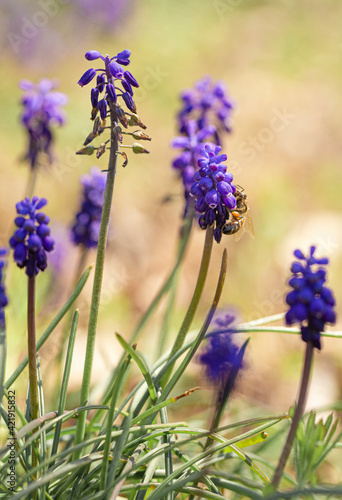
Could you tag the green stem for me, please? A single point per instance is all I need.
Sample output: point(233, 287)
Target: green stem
point(208, 244)
point(95, 303)
point(32, 359)
point(297, 415)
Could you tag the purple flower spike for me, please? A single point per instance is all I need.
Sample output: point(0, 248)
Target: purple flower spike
point(31, 242)
point(41, 112)
point(112, 75)
point(311, 303)
point(213, 190)
point(85, 230)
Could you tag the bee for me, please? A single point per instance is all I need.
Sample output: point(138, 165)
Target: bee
point(241, 220)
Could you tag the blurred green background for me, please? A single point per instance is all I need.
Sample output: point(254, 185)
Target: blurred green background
point(282, 62)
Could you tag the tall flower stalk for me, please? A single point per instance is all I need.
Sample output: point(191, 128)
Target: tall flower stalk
point(312, 306)
point(30, 242)
point(107, 82)
point(213, 190)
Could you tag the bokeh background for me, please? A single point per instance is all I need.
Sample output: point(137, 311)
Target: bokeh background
point(282, 62)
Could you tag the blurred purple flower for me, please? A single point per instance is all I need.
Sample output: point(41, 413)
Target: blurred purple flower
point(41, 112)
point(85, 230)
point(106, 14)
point(3, 296)
point(221, 354)
point(209, 104)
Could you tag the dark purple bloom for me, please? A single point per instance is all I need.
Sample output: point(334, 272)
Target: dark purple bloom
point(213, 190)
point(221, 355)
point(41, 111)
point(32, 239)
point(311, 303)
point(85, 230)
point(3, 296)
point(209, 104)
point(112, 75)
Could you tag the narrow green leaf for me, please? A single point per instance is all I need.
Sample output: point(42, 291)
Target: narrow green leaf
point(141, 365)
point(65, 381)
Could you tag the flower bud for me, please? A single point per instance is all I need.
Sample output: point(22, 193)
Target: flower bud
point(87, 77)
point(135, 120)
point(138, 148)
point(103, 108)
point(130, 79)
point(111, 92)
point(100, 81)
point(93, 54)
point(129, 101)
point(89, 138)
point(138, 134)
point(94, 97)
point(88, 150)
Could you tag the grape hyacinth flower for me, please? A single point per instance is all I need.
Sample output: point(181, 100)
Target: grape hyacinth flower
point(221, 354)
point(209, 104)
point(3, 296)
point(192, 145)
point(213, 190)
point(85, 230)
point(31, 240)
point(311, 303)
point(108, 80)
point(41, 112)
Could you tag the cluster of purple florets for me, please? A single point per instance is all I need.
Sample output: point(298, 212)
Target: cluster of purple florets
point(221, 354)
point(32, 239)
point(213, 190)
point(41, 111)
point(209, 104)
point(205, 114)
point(3, 296)
point(311, 303)
point(86, 229)
point(107, 80)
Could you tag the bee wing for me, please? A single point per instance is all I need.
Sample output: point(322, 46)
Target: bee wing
point(248, 225)
point(237, 236)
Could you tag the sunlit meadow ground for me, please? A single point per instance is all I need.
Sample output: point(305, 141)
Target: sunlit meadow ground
point(282, 62)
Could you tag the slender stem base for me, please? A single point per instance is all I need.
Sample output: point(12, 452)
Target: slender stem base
point(32, 359)
point(202, 275)
point(297, 415)
point(95, 303)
